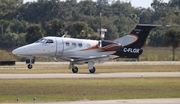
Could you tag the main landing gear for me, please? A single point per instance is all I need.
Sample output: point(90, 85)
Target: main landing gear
point(91, 67)
point(74, 69)
point(92, 70)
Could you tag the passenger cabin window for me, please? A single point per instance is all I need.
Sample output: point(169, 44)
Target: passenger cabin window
point(49, 41)
point(73, 44)
point(80, 45)
point(67, 44)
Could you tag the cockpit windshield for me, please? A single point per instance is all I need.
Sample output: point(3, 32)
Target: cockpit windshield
point(42, 40)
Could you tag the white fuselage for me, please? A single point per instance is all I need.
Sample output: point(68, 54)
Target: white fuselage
point(63, 48)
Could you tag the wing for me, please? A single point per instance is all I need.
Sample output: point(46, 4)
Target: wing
point(96, 59)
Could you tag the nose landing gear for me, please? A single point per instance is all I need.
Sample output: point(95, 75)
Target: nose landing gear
point(30, 62)
point(30, 66)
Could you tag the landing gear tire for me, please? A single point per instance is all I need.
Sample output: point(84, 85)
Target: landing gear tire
point(75, 69)
point(92, 70)
point(29, 66)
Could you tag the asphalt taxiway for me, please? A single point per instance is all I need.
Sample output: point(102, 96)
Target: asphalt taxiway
point(114, 63)
point(132, 101)
point(97, 75)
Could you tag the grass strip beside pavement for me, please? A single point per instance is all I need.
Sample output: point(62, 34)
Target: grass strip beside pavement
point(96, 89)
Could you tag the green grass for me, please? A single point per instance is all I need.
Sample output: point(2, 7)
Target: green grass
point(96, 89)
point(158, 54)
point(100, 68)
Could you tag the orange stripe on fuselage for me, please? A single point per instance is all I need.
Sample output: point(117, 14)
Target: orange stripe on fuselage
point(91, 48)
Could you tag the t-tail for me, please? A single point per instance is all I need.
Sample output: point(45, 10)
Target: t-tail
point(131, 44)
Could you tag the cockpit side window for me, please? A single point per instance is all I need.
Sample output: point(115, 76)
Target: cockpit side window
point(42, 40)
point(49, 41)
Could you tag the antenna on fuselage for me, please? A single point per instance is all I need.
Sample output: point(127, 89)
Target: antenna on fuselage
point(64, 36)
point(55, 59)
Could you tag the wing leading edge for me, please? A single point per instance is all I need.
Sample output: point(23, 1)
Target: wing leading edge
point(95, 59)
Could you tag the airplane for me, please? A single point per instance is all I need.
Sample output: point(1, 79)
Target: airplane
point(83, 51)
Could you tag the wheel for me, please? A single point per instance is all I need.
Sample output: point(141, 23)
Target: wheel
point(29, 66)
point(75, 69)
point(92, 70)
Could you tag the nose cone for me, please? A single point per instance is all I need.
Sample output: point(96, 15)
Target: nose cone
point(27, 50)
point(16, 51)
point(21, 50)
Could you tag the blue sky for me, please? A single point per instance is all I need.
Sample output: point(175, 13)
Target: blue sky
point(135, 3)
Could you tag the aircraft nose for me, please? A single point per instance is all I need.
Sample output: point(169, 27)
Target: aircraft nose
point(15, 51)
point(20, 50)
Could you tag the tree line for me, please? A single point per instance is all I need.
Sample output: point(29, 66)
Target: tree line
point(25, 23)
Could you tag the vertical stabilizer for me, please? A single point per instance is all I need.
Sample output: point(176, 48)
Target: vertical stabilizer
point(132, 43)
point(137, 37)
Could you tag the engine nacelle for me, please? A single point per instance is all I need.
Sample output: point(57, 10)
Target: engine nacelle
point(100, 44)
